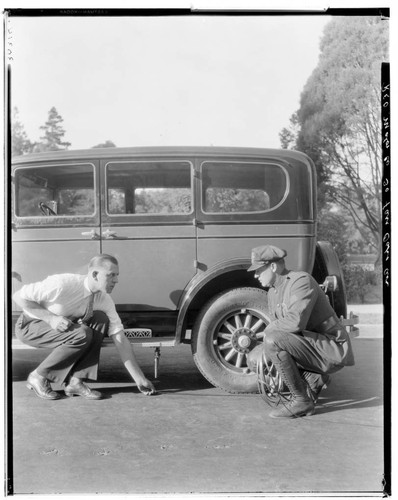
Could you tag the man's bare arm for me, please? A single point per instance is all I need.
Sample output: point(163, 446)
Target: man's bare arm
point(129, 360)
point(56, 322)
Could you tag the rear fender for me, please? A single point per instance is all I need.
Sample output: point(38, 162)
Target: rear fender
point(199, 282)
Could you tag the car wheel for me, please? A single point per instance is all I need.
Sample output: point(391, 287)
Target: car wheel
point(226, 330)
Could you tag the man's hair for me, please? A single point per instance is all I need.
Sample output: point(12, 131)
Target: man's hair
point(100, 259)
point(281, 262)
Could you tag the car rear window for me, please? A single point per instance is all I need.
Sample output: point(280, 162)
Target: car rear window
point(241, 187)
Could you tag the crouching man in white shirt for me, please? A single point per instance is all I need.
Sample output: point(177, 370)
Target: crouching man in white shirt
point(71, 313)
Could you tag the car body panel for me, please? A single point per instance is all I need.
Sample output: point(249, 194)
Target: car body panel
point(165, 257)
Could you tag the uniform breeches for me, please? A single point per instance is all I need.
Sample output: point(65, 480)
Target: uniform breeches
point(311, 351)
point(75, 351)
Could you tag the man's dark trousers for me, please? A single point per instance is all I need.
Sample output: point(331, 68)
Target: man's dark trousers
point(75, 351)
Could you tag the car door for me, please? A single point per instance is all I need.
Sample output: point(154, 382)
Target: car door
point(147, 224)
point(251, 201)
point(238, 197)
point(55, 219)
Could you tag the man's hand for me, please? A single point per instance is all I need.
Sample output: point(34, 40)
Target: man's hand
point(59, 323)
point(146, 387)
point(129, 360)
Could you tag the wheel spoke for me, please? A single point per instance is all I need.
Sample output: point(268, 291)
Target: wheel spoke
point(225, 336)
point(227, 345)
point(231, 328)
point(260, 335)
point(248, 320)
point(239, 360)
point(257, 325)
point(238, 321)
point(230, 354)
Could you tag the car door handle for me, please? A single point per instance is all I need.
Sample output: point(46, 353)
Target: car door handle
point(93, 235)
point(108, 234)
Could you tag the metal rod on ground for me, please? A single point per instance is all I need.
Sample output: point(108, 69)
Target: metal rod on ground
point(157, 357)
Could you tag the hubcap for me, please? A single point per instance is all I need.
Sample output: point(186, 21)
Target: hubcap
point(236, 336)
point(243, 339)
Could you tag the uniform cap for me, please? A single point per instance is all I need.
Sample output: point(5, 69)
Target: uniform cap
point(262, 256)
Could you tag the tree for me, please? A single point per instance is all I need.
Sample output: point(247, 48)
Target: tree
point(339, 119)
point(331, 226)
point(20, 144)
point(106, 144)
point(53, 133)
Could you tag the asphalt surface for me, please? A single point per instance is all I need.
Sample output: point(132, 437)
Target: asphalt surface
point(194, 438)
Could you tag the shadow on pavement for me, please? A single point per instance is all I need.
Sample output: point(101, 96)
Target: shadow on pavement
point(352, 404)
point(360, 386)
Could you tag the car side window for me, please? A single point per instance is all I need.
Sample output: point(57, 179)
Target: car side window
point(149, 188)
point(55, 191)
point(240, 187)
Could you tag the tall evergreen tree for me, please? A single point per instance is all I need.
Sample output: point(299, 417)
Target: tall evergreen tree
point(338, 123)
point(53, 133)
point(20, 144)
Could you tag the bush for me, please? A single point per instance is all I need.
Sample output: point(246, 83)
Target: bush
point(359, 282)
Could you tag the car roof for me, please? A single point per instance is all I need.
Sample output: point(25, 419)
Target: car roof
point(165, 151)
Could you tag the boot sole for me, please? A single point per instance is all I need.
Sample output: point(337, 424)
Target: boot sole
point(72, 394)
point(307, 413)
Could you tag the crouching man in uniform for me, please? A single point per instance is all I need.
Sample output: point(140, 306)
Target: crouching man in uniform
point(305, 341)
point(71, 314)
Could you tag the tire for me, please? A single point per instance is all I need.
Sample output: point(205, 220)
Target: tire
point(227, 328)
point(327, 264)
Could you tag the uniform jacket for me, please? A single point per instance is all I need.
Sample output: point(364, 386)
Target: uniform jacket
point(297, 304)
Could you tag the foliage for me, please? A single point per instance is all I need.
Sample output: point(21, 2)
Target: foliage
point(359, 282)
point(106, 144)
point(236, 200)
point(338, 123)
point(150, 201)
point(331, 227)
point(20, 144)
point(53, 133)
point(163, 201)
point(76, 201)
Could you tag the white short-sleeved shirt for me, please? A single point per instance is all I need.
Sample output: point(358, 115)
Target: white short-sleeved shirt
point(68, 295)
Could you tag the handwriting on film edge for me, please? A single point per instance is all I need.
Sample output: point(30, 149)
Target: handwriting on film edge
point(9, 44)
point(83, 11)
point(386, 239)
point(386, 187)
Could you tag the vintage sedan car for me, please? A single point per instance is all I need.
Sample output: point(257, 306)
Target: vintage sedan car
point(182, 222)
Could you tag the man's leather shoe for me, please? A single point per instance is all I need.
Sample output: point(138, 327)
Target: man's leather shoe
point(41, 387)
point(82, 389)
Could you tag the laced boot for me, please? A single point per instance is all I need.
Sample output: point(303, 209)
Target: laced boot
point(300, 404)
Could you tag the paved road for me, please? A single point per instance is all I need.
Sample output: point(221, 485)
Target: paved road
point(193, 438)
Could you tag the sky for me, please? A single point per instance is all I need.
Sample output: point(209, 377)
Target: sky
point(154, 81)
